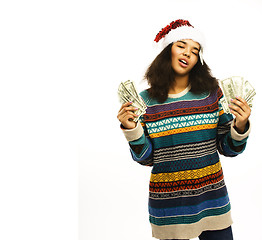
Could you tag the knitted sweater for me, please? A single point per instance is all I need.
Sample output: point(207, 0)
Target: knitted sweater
point(181, 139)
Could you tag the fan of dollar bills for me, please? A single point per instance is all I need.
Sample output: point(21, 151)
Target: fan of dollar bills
point(236, 86)
point(127, 93)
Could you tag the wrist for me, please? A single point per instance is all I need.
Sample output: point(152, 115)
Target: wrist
point(240, 128)
point(128, 128)
point(237, 135)
point(134, 133)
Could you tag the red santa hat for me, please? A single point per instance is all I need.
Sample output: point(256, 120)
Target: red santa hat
point(178, 30)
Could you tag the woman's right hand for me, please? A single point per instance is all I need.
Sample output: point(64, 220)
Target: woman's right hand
point(126, 115)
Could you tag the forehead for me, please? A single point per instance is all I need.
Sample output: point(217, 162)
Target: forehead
point(190, 43)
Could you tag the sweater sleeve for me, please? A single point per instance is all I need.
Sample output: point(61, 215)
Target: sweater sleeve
point(140, 144)
point(229, 142)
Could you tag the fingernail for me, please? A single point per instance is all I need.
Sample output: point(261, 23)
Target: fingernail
point(136, 108)
point(232, 100)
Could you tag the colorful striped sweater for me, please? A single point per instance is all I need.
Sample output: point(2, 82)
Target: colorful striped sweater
point(181, 139)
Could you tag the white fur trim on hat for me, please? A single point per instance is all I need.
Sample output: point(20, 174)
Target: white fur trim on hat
point(184, 32)
point(179, 30)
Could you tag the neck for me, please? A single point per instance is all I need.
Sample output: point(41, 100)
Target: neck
point(179, 85)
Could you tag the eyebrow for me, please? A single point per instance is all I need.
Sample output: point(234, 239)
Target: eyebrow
point(186, 44)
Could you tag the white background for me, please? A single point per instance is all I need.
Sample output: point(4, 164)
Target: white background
point(65, 167)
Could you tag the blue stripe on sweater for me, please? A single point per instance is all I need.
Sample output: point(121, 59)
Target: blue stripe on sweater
point(190, 218)
point(186, 210)
point(146, 152)
point(185, 164)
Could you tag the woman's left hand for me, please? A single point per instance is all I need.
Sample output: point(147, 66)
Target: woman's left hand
point(241, 111)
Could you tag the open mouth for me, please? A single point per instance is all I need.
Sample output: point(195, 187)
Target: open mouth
point(184, 62)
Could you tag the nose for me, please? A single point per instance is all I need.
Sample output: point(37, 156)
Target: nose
point(186, 53)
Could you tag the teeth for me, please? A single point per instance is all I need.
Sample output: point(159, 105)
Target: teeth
point(183, 61)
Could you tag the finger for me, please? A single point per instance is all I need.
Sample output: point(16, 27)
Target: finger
point(127, 119)
point(235, 113)
point(126, 115)
point(247, 108)
point(126, 109)
point(242, 100)
point(125, 105)
point(237, 109)
point(240, 103)
point(240, 113)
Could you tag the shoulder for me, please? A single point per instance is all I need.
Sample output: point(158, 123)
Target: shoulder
point(219, 93)
point(145, 95)
point(149, 100)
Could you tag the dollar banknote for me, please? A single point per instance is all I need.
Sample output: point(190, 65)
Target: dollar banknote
point(236, 86)
point(127, 92)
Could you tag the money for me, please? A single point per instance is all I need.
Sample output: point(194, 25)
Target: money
point(236, 86)
point(127, 92)
point(238, 83)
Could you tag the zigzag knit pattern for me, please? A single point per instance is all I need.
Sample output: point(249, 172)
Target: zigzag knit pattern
point(187, 191)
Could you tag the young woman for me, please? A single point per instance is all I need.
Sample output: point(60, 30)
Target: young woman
point(180, 135)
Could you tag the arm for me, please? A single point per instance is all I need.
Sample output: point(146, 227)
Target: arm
point(232, 133)
point(136, 135)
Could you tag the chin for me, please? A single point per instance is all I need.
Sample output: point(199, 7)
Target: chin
point(181, 73)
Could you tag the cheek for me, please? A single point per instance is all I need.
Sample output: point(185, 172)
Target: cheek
point(174, 55)
point(175, 52)
point(195, 60)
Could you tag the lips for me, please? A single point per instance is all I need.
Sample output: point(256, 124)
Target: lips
point(183, 62)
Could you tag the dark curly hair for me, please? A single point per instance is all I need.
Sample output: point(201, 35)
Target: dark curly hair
point(160, 76)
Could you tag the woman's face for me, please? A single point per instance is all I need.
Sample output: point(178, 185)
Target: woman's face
point(184, 56)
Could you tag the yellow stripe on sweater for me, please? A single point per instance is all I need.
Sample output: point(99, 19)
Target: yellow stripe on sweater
point(186, 175)
point(182, 130)
point(221, 112)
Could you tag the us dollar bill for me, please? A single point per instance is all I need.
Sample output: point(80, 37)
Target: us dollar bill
point(131, 88)
point(236, 86)
point(228, 90)
point(127, 92)
point(249, 91)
